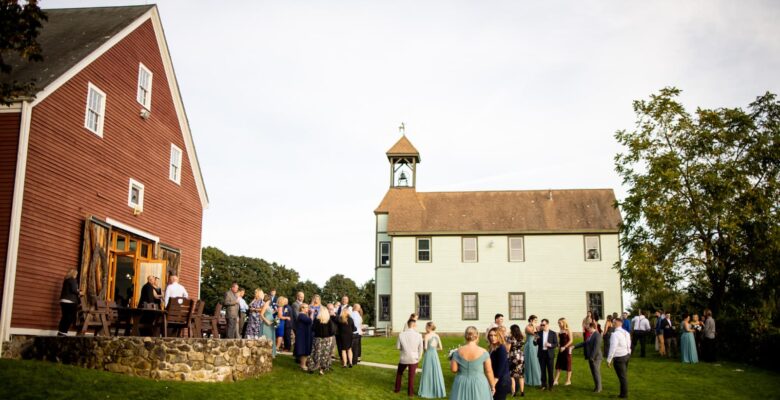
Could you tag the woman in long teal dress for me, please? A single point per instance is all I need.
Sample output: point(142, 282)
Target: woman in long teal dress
point(473, 379)
point(268, 329)
point(533, 372)
point(432, 380)
point(688, 342)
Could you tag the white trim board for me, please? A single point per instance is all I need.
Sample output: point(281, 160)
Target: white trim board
point(36, 332)
point(131, 229)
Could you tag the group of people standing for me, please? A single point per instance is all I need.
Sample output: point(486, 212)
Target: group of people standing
point(310, 331)
point(696, 336)
point(511, 361)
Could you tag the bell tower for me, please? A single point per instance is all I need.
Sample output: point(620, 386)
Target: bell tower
point(403, 159)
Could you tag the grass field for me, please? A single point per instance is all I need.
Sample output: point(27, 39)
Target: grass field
point(41, 380)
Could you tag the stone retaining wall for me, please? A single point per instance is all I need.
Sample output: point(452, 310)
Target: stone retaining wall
point(179, 359)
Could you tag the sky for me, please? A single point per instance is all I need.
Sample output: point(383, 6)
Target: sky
point(293, 104)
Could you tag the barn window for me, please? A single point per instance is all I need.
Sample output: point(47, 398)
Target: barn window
point(595, 303)
point(384, 254)
point(516, 306)
point(175, 170)
point(422, 303)
point(516, 251)
point(144, 86)
point(469, 246)
point(423, 249)
point(95, 113)
point(384, 307)
point(135, 196)
point(469, 306)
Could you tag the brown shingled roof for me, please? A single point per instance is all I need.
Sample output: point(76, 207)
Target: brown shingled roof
point(526, 211)
point(403, 147)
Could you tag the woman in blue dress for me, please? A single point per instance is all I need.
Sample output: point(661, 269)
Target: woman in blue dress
point(432, 380)
point(688, 342)
point(303, 337)
point(473, 371)
point(283, 315)
point(253, 328)
point(267, 316)
point(533, 372)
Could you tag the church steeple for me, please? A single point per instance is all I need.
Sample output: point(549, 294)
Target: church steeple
point(403, 159)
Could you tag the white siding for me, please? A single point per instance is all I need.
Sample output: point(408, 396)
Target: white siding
point(554, 278)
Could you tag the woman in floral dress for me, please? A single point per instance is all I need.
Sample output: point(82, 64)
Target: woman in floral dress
point(516, 359)
point(253, 323)
point(324, 331)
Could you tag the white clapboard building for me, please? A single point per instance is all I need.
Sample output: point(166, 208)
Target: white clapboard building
point(458, 258)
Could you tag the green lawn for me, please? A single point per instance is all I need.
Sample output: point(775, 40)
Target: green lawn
point(40, 380)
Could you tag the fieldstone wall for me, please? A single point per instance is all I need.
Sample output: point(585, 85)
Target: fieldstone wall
point(179, 359)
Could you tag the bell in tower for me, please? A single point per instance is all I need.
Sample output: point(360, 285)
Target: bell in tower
point(403, 159)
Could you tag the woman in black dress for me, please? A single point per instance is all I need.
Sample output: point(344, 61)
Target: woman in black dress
point(499, 360)
point(346, 326)
point(303, 339)
point(566, 343)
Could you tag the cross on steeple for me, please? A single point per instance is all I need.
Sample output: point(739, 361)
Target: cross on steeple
point(402, 129)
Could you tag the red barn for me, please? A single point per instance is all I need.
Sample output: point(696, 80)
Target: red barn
point(98, 170)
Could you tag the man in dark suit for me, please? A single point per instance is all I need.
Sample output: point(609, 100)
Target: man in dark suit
point(148, 292)
point(547, 341)
point(593, 354)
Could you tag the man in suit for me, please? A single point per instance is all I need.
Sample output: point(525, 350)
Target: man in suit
point(593, 354)
point(148, 293)
point(230, 305)
point(547, 341)
point(411, 345)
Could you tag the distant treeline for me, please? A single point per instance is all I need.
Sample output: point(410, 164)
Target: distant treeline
point(219, 270)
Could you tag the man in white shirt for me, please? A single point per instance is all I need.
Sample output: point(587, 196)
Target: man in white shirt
point(619, 354)
point(357, 335)
point(174, 289)
point(641, 332)
point(411, 345)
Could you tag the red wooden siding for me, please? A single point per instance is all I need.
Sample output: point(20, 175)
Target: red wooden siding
point(71, 172)
point(9, 140)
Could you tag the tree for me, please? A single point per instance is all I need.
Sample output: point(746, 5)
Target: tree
point(337, 286)
point(365, 298)
point(19, 29)
point(701, 215)
point(308, 288)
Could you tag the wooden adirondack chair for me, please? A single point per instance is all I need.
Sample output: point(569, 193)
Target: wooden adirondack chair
point(93, 317)
point(178, 316)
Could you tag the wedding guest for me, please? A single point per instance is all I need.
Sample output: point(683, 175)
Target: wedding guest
point(498, 320)
point(671, 344)
point(274, 299)
point(659, 332)
point(533, 373)
point(344, 304)
point(593, 354)
point(69, 302)
point(586, 323)
point(314, 307)
point(283, 313)
point(230, 305)
point(641, 326)
point(253, 328)
point(547, 341)
point(499, 362)
point(174, 289)
point(267, 327)
point(357, 336)
point(516, 360)
point(619, 354)
point(709, 353)
point(331, 310)
point(158, 294)
point(432, 379)
point(243, 308)
point(148, 293)
point(324, 330)
point(609, 328)
point(473, 371)
point(697, 326)
point(626, 322)
point(410, 344)
point(345, 328)
point(688, 342)
point(303, 335)
point(566, 342)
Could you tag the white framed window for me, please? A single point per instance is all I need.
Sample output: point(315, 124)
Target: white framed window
point(175, 168)
point(424, 250)
point(516, 249)
point(469, 306)
point(595, 303)
point(144, 86)
point(469, 247)
point(517, 306)
point(592, 248)
point(96, 110)
point(384, 254)
point(384, 307)
point(422, 304)
point(135, 195)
